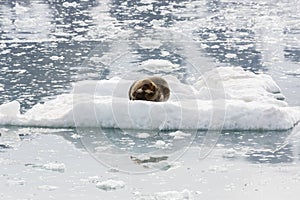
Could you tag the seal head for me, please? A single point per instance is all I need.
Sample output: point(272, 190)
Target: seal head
point(150, 89)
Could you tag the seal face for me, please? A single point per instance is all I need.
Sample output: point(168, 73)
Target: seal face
point(150, 89)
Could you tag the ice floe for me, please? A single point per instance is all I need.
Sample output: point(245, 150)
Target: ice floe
point(225, 97)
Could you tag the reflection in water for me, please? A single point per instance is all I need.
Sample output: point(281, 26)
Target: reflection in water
point(137, 152)
point(124, 149)
point(148, 160)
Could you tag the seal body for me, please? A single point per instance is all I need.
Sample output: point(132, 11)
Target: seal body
point(150, 89)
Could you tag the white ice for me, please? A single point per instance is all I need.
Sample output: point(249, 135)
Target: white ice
point(223, 98)
point(174, 195)
point(110, 185)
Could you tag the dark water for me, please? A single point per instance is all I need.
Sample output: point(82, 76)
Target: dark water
point(45, 43)
point(45, 46)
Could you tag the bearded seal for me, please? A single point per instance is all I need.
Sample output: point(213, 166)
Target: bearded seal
point(150, 89)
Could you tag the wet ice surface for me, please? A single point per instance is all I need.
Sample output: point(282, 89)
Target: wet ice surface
point(79, 40)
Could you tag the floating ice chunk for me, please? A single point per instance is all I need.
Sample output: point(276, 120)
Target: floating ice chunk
point(148, 1)
point(6, 51)
point(143, 135)
point(11, 109)
point(54, 167)
point(157, 65)
point(295, 72)
point(1, 87)
point(167, 195)
point(147, 43)
point(93, 179)
point(144, 8)
point(70, 4)
point(20, 10)
point(59, 167)
point(110, 185)
point(19, 71)
point(160, 144)
point(56, 58)
point(230, 55)
point(215, 46)
point(164, 53)
point(47, 187)
point(229, 153)
point(179, 134)
point(76, 136)
point(15, 181)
